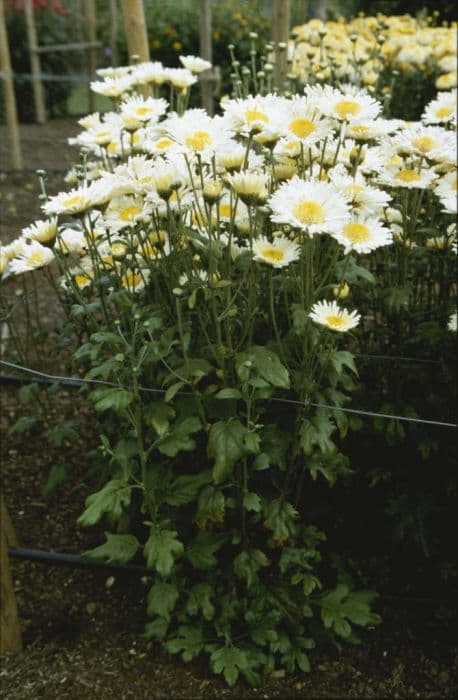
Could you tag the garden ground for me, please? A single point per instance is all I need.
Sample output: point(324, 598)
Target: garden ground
point(82, 630)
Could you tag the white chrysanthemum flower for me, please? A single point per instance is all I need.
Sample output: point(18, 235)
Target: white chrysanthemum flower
point(231, 158)
point(195, 64)
point(373, 129)
point(180, 77)
point(143, 109)
point(90, 121)
point(70, 240)
point(361, 196)
point(135, 280)
point(345, 106)
point(126, 211)
point(301, 120)
point(41, 231)
point(196, 132)
point(100, 134)
point(252, 114)
point(277, 253)
point(74, 202)
point(4, 263)
point(447, 191)
point(33, 256)
point(441, 243)
point(453, 322)
point(407, 177)
point(331, 315)
point(252, 187)
point(149, 72)
point(112, 87)
point(431, 142)
point(363, 234)
point(113, 71)
point(442, 110)
point(315, 207)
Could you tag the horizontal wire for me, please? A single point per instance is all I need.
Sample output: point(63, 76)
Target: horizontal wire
point(81, 382)
point(51, 77)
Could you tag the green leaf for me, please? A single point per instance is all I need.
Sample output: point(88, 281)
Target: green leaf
point(300, 318)
point(317, 432)
point(342, 358)
point(200, 599)
point(156, 629)
point(118, 549)
point(189, 641)
point(226, 446)
point(172, 390)
point(252, 441)
point(280, 517)
point(111, 500)
point(161, 550)
point(57, 476)
point(265, 364)
point(162, 598)
point(210, 506)
point(111, 339)
point(159, 414)
point(23, 425)
point(248, 563)
point(228, 394)
point(201, 551)
point(342, 606)
point(178, 439)
point(184, 489)
point(230, 661)
point(251, 501)
point(60, 434)
point(111, 399)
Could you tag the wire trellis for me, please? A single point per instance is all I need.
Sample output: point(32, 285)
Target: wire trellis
point(76, 381)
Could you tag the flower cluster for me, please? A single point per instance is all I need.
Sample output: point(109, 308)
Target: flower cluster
point(360, 50)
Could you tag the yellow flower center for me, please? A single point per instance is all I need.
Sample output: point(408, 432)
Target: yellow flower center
point(82, 280)
point(252, 115)
point(103, 134)
point(444, 112)
point(360, 130)
point(199, 140)
point(111, 148)
point(355, 190)
point(164, 143)
point(272, 253)
point(357, 233)
point(302, 127)
point(424, 143)
point(335, 321)
point(346, 108)
point(74, 201)
point(143, 111)
point(408, 176)
point(136, 138)
point(310, 213)
point(128, 213)
point(131, 279)
point(225, 209)
point(36, 259)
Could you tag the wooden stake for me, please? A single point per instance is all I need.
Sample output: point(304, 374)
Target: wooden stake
point(10, 632)
point(114, 32)
point(35, 65)
point(205, 36)
point(135, 24)
point(91, 24)
point(281, 20)
point(10, 98)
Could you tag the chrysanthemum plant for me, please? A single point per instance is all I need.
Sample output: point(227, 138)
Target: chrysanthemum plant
point(202, 263)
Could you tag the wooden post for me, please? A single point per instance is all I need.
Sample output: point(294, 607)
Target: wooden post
point(114, 32)
point(10, 632)
point(10, 98)
point(205, 38)
point(35, 65)
point(90, 18)
point(281, 20)
point(135, 24)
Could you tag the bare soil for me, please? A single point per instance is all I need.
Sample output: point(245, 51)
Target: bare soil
point(82, 628)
